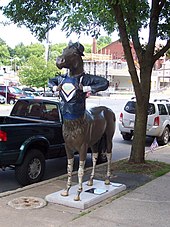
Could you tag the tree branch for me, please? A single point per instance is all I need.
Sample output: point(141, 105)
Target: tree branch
point(162, 51)
point(126, 46)
point(135, 37)
point(156, 8)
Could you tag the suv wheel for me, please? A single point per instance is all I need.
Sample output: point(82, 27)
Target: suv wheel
point(164, 139)
point(127, 136)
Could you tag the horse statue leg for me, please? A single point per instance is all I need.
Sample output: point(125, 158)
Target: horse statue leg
point(95, 148)
point(94, 160)
point(70, 163)
point(109, 156)
point(82, 160)
point(109, 159)
point(80, 178)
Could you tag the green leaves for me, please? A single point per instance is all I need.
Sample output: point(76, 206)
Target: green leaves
point(86, 16)
point(103, 41)
point(4, 53)
point(36, 72)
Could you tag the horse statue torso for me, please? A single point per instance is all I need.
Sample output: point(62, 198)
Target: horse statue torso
point(93, 125)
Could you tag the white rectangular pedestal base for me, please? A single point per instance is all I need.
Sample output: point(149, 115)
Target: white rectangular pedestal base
point(87, 199)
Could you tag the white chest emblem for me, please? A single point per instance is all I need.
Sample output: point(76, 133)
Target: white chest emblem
point(68, 90)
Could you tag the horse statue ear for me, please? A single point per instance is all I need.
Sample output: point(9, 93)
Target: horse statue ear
point(78, 44)
point(70, 43)
point(79, 47)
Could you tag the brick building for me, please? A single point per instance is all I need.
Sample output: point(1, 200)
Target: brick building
point(115, 49)
point(110, 62)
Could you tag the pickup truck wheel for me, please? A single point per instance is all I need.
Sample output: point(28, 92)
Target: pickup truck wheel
point(32, 169)
point(164, 139)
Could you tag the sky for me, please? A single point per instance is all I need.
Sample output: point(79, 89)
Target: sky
point(14, 35)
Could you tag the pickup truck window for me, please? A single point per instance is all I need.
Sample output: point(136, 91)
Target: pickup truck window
point(20, 109)
point(37, 110)
point(50, 112)
point(34, 110)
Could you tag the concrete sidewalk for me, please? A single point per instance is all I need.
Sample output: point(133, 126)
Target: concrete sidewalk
point(148, 205)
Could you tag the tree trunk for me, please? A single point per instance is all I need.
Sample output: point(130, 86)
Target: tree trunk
point(138, 145)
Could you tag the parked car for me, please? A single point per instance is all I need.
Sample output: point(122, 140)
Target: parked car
point(158, 124)
point(2, 99)
point(30, 89)
point(29, 94)
point(12, 93)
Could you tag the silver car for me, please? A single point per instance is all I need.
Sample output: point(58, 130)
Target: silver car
point(158, 124)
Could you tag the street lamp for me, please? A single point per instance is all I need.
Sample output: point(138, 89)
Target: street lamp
point(47, 47)
point(163, 64)
point(106, 69)
point(6, 91)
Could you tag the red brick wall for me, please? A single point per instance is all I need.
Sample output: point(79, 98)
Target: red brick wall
point(116, 50)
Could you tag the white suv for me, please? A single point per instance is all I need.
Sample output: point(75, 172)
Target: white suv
point(158, 124)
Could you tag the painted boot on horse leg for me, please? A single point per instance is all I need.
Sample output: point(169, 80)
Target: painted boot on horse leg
point(109, 135)
point(94, 160)
point(109, 159)
point(69, 179)
point(80, 178)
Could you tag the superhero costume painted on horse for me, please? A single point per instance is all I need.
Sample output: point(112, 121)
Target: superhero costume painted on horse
point(73, 97)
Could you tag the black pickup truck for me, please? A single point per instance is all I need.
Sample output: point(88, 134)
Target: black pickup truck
point(31, 134)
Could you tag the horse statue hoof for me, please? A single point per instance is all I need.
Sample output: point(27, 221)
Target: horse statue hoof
point(77, 198)
point(90, 182)
point(64, 193)
point(107, 182)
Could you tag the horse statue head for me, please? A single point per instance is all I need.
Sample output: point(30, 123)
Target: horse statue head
point(71, 59)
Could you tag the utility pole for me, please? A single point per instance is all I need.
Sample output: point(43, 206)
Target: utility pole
point(106, 70)
point(47, 47)
point(47, 44)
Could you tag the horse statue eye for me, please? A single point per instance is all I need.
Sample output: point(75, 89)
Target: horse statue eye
point(75, 53)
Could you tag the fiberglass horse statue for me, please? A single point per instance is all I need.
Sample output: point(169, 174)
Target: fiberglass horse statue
point(82, 129)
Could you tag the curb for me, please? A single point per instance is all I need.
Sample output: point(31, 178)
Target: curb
point(8, 193)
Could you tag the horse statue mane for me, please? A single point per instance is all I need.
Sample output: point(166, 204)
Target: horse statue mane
point(82, 129)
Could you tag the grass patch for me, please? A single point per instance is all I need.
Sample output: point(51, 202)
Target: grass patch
point(152, 168)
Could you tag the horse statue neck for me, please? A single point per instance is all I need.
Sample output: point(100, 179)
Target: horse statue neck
point(76, 70)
